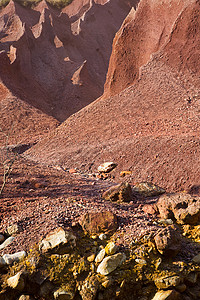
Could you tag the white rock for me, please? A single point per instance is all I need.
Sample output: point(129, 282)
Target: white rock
point(106, 167)
point(58, 237)
point(7, 242)
point(102, 236)
point(11, 258)
point(100, 256)
point(16, 281)
point(110, 263)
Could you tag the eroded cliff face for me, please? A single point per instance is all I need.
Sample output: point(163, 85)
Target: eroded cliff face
point(48, 48)
point(143, 33)
point(154, 123)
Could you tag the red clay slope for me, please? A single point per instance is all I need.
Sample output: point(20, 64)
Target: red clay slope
point(18, 119)
point(141, 34)
point(59, 59)
point(152, 127)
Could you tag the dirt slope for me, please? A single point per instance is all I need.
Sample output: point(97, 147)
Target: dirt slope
point(152, 127)
point(59, 59)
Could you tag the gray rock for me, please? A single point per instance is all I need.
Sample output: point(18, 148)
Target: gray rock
point(109, 264)
point(11, 258)
point(57, 239)
point(7, 242)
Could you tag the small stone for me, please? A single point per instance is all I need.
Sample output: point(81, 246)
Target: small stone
point(2, 238)
point(107, 283)
point(167, 295)
point(111, 248)
point(121, 192)
point(196, 259)
point(61, 294)
point(7, 242)
point(13, 229)
point(91, 257)
point(72, 171)
point(102, 236)
point(11, 258)
point(165, 221)
point(17, 281)
point(109, 264)
point(140, 261)
point(100, 256)
point(125, 173)
point(167, 282)
point(106, 167)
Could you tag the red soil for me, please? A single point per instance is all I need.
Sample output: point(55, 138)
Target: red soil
point(151, 128)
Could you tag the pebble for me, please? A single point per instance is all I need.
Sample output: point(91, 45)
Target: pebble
point(102, 236)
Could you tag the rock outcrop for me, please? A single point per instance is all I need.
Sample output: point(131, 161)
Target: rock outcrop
point(57, 60)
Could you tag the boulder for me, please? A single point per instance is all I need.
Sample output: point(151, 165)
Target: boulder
point(17, 281)
point(147, 189)
point(167, 295)
point(15, 257)
point(182, 207)
point(98, 222)
point(110, 263)
point(121, 192)
point(106, 167)
point(168, 241)
point(58, 240)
